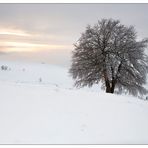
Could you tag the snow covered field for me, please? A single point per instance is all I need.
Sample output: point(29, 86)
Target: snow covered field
point(38, 105)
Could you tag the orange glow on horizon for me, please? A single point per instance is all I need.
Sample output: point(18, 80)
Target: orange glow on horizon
point(15, 32)
point(23, 45)
point(30, 47)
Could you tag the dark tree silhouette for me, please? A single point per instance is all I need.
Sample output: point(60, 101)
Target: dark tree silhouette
point(110, 52)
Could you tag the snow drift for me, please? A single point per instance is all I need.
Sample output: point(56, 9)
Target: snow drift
point(38, 105)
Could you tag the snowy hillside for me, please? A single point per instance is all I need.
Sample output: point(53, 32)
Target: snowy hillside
point(38, 105)
point(34, 73)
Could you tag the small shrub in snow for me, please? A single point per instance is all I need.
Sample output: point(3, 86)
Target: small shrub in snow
point(3, 67)
point(40, 79)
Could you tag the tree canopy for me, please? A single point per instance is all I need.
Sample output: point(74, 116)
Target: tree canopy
point(109, 52)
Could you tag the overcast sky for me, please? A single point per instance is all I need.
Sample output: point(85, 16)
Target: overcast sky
point(46, 32)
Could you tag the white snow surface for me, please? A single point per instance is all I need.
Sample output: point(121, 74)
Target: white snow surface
point(38, 105)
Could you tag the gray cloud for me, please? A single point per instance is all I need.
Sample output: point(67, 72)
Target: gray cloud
point(63, 23)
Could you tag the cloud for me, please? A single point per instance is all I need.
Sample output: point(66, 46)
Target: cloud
point(20, 41)
point(53, 28)
point(2, 53)
point(13, 32)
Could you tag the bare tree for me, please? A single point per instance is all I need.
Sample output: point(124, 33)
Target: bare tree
point(110, 52)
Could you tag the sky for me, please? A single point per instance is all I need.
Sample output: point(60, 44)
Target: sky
point(46, 32)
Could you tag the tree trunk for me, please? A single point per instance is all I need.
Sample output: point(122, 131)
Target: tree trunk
point(113, 86)
point(112, 90)
point(108, 88)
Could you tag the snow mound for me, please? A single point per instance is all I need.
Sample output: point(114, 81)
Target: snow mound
point(50, 111)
